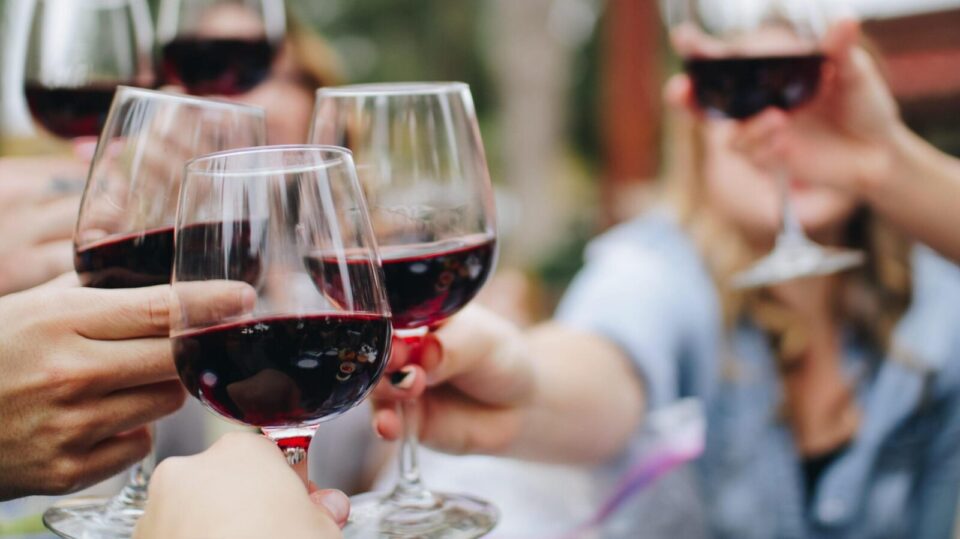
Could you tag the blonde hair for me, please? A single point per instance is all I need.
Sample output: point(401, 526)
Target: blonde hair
point(874, 297)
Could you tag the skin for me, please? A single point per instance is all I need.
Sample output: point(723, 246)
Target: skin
point(198, 496)
point(492, 389)
point(863, 148)
point(39, 200)
point(84, 370)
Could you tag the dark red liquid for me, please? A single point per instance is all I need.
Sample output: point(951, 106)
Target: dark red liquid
point(217, 66)
point(742, 87)
point(130, 261)
point(425, 284)
point(70, 112)
point(146, 259)
point(220, 251)
point(284, 371)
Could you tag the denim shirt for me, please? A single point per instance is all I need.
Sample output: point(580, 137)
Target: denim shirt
point(646, 289)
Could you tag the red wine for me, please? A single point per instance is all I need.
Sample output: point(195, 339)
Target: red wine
point(70, 112)
point(232, 248)
point(427, 283)
point(284, 371)
point(146, 258)
point(132, 261)
point(742, 87)
point(217, 66)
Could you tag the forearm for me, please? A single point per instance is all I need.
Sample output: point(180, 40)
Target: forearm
point(587, 403)
point(918, 189)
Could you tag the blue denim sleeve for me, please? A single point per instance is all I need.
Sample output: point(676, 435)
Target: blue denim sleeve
point(938, 483)
point(651, 302)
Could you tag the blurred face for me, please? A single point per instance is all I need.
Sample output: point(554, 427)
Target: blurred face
point(749, 198)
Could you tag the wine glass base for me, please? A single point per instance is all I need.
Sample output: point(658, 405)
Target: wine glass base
point(451, 516)
point(788, 263)
point(92, 518)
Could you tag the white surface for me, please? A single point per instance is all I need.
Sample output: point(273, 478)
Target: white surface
point(879, 9)
point(14, 18)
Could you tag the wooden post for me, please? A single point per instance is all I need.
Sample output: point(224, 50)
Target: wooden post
point(631, 105)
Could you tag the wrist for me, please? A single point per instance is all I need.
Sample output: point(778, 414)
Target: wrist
point(897, 159)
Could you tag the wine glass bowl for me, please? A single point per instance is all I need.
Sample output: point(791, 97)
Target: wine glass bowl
point(311, 344)
point(125, 234)
point(223, 47)
point(423, 170)
point(77, 54)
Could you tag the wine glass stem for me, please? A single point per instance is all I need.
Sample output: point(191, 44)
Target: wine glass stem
point(134, 493)
point(409, 491)
point(791, 232)
point(295, 444)
point(409, 447)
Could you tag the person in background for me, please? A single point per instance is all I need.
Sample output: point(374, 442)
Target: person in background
point(833, 403)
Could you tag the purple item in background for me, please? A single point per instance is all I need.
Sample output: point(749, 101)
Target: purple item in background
point(673, 436)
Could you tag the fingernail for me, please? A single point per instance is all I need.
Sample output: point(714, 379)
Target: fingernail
point(404, 378)
point(335, 502)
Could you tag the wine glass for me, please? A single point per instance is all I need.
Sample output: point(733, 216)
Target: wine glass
point(78, 53)
point(422, 166)
point(289, 224)
point(223, 47)
point(743, 57)
point(124, 235)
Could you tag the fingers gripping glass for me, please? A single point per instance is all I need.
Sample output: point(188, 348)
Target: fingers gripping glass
point(124, 235)
point(423, 170)
point(743, 57)
point(308, 342)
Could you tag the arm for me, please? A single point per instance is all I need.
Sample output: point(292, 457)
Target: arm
point(551, 394)
point(919, 192)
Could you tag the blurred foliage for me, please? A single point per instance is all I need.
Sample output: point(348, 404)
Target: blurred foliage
point(403, 40)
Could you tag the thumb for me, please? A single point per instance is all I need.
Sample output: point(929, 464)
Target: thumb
point(840, 42)
point(334, 503)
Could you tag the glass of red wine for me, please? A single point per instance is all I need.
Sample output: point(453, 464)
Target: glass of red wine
point(421, 163)
point(219, 47)
point(78, 53)
point(125, 234)
point(742, 58)
point(314, 342)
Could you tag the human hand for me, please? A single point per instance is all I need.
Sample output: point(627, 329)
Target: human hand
point(846, 138)
point(478, 383)
point(39, 198)
point(242, 487)
point(84, 370)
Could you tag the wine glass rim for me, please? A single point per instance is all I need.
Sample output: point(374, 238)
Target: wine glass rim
point(98, 4)
point(344, 155)
point(393, 89)
point(203, 101)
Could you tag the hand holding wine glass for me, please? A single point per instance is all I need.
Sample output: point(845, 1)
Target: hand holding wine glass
point(852, 126)
point(99, 370)
point(198, 496)
point(743, 59)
